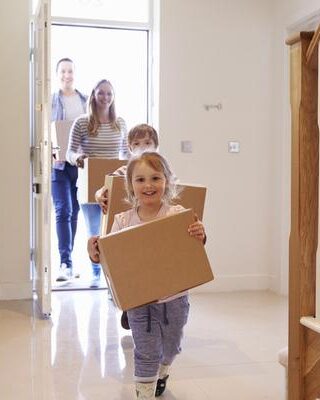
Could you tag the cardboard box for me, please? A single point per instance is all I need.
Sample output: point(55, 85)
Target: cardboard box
point(190, 197)
point(152, 261)
point(92, 176)
point(60, 131)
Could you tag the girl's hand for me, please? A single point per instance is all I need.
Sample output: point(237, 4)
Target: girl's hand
point(80, 160)
point(101, 197)
point(196, 229)
point(93, 249)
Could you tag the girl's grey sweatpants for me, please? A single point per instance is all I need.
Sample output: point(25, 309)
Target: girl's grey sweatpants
point(157, 330)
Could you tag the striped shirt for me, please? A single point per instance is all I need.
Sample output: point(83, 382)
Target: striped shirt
point(108, 143)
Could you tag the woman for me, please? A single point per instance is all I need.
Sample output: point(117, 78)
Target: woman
point(100, 133)
point(67, 104)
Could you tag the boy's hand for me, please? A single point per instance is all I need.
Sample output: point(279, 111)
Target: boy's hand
point(101, 197)
point(93, 249)
point(196, 229)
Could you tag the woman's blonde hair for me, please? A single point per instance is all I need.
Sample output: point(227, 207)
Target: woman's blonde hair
point(159, 164)
point(93, 113)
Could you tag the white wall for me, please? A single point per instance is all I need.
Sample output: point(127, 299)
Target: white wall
point(221, 51)
point(14, 203)
point(233, 52)
point(292, 12)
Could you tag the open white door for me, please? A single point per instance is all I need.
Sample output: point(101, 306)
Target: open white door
point(41, 156)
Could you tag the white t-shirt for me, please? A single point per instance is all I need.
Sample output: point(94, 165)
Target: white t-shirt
point(73, 106)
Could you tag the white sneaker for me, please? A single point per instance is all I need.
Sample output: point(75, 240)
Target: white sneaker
point(95, 283)
point(64, 273)
point(145, 391)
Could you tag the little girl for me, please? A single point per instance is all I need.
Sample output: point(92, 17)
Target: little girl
point(157, 328)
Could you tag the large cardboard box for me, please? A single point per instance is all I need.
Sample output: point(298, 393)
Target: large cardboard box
point(190, 196)
point(60, 131)
point(152, 261)
point(92, 176)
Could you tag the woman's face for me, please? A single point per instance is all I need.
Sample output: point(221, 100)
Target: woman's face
point(65, 74)
point(104, 96)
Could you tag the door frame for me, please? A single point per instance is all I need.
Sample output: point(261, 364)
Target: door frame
point(40, 153)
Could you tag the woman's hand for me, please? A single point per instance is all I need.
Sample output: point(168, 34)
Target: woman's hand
point(101, 197)
point(80, 160)
point(93, 249)
point(196, 229)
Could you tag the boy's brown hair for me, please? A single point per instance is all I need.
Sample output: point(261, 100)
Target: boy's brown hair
point(141, 131)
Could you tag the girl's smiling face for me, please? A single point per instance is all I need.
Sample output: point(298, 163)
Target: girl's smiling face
point(148, 185)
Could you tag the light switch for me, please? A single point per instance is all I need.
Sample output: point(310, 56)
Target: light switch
point(186, 146)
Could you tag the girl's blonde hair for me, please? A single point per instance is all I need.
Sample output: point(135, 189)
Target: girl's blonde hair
point(93, 113)
point(159, 164)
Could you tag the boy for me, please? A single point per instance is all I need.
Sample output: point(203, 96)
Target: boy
point(141, 137)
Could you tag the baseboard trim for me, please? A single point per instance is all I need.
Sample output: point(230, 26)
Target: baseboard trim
point(16, 291)
point(232, 283)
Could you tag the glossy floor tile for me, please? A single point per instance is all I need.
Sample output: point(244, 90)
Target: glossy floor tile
point(229, 350)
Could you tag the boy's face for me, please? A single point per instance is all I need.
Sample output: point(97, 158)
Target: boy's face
point(138, 145)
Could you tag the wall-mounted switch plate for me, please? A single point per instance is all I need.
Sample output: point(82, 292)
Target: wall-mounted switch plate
point(234, 147)
point(186, 146)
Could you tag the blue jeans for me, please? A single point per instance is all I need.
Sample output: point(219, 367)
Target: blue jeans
point(92, 216)
point(64, 195)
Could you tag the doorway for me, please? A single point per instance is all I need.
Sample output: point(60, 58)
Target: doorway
point(119, 52)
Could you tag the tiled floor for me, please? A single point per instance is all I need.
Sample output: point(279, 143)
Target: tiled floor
point(82, 353)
